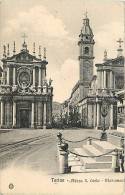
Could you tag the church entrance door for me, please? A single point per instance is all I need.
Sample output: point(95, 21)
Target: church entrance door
point(24, 118)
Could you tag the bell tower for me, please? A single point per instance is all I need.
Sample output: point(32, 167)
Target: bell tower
point(86, 45)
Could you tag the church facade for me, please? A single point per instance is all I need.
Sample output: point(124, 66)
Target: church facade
point(104, 86)
point(91, 90)
point(25, 94)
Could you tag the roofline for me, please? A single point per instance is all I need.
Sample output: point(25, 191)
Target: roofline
point(109, 60)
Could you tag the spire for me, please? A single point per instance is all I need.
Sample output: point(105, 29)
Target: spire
point(105, 55)
point(120, 50)
point(14, 48)
point(4, 51)
point(40, 52)
point(8, 50)
point(86, 29)
point(86, 19)
point(44, 55)
point(34, 48)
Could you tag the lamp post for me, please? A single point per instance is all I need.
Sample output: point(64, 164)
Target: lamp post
point(104, 112)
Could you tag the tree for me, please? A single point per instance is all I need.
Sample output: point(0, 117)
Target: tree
point(74, 117)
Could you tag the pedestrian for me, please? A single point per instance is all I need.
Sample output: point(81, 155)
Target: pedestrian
point(121, 161)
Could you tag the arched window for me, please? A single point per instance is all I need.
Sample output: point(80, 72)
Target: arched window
point(86, 51)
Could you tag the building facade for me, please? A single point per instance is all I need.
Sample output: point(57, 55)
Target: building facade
point(25, 94)
point(104, 86)
point(91, 91)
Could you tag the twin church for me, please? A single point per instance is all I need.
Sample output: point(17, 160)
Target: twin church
point(25, 94)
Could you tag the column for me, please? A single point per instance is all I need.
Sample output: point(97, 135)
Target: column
point(39, 77)
point(111, 116)
point(8, 76)
point(32, 115)
point(90, 116)
point(14, 114)
point(104, 79)
point(98, 78)
point(114, 81)
point(94, 114)
point(39, 114)
point(102, 75)
point(44, 116)
point(111, 80)
point(2, 113)
point(34, 77)
point(39, 84)
point(98, 116)
point(49, 113)
point(43, 74)
point(14, 76)
point(8, 114)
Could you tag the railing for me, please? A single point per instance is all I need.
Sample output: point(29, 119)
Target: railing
point(64, 151)
point(100, 92)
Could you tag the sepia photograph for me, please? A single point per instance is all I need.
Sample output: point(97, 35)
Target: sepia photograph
point(62, 97)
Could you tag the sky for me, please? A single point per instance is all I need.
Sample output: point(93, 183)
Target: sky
point(56, 24)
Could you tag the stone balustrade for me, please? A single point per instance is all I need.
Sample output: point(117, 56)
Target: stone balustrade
point(8, 89)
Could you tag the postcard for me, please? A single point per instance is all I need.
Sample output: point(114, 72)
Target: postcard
point(62, 97)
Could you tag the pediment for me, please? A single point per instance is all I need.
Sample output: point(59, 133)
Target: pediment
point(23, 57)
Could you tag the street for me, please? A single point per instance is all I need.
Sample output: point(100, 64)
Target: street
point(33, 153)
point(34, 149)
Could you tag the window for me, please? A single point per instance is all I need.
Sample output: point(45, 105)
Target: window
point(86, 50)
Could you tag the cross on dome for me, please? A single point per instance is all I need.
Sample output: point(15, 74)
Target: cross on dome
point(86, 14)
point(120, 50)
point(24, 36)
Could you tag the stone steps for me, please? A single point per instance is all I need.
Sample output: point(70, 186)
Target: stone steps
point(91, 163)
point(92, 151)
point(104, 146)
point(115, 139)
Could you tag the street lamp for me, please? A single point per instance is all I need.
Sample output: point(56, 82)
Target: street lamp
point(104, 112)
